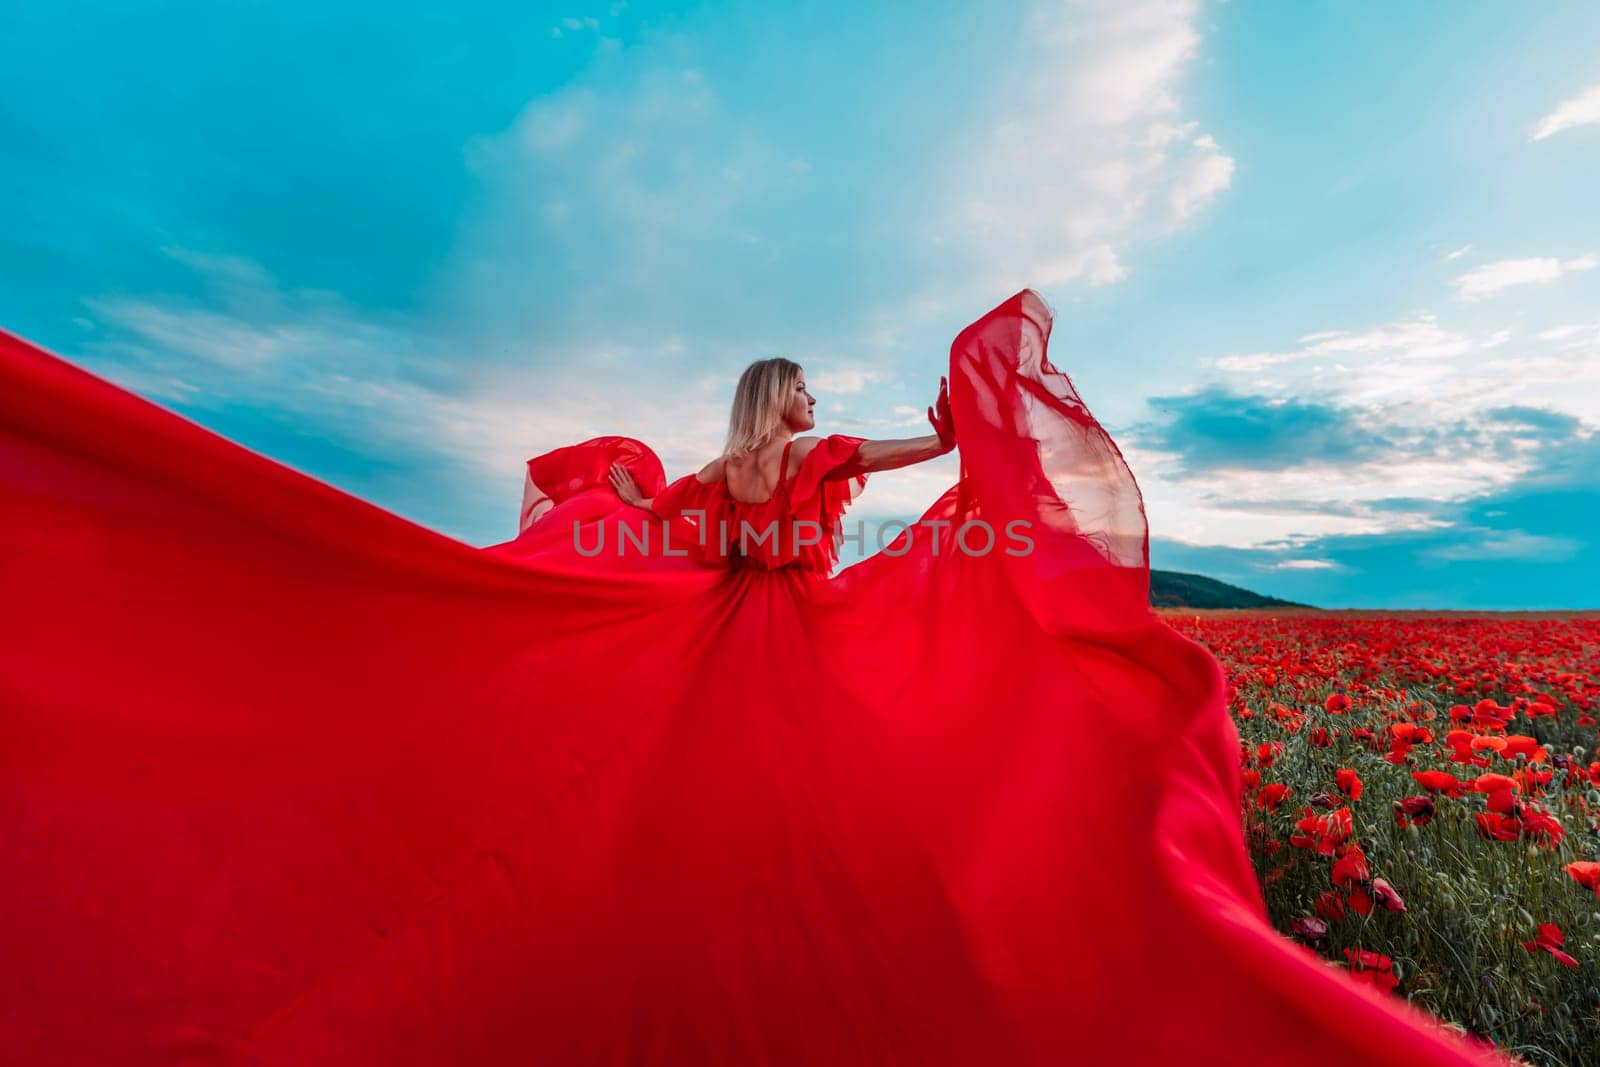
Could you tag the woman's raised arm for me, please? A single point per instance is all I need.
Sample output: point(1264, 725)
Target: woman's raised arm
point(887, 455)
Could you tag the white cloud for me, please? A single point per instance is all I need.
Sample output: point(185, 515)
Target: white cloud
point(1203, 176)
point(1509, 544)
point(379, 387)
point(1249, 512)
point(1458, 253)
point(642, 215)
point(202, 335)
point(362, 384)
point(634, 203)
point(1254, 361)
point(1091, 154)
point(1491, 278)
point(1573, 335)
point(1425, 388)
point(1581, 110)
point(1420, 338)
point(610, 214)
point(1257, 509)
point(574, 24)
point(1305, 565)
point(843, 379)
point(235, 279)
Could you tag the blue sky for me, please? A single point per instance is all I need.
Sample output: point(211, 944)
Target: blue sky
point(1327, 271)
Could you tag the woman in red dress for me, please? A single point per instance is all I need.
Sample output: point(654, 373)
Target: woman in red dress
point(770, 405)
point(287, 779)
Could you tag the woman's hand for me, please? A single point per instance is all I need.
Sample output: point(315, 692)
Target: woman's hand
point(623, 483)
point(939, 415)
point(891, 455)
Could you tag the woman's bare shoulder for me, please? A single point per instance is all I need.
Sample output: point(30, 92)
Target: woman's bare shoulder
point(799, 450)
point(711, 472)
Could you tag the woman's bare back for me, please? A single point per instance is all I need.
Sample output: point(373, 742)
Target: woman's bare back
point(754, 478)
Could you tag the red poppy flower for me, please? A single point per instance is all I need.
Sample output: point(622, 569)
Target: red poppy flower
point(1308, 929)
point(1543, 828)
point(1505, 802)
point(1413, 811)
point(1411, 733)
point(1373, 968)
point(1528, 748)
point(1488, 715)
point(1497, 827)
point(1323, 833)
point(1494, 783)
point(1399, 754)
point(1387, 896)
point(1272, 794)
point(1550, 940)
point(1438, 782)
point(1587, 874)
point(1351, 866)
point(1330, 905)
point(1361, 902)
point(1337, 704)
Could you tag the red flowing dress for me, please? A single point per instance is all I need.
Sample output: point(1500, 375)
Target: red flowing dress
point(286, 779)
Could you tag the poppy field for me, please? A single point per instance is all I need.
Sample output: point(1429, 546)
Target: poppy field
point(1421, 801)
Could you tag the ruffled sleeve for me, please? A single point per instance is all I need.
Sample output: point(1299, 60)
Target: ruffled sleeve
point(559, 475)
point(829, 479)
point(688, 492)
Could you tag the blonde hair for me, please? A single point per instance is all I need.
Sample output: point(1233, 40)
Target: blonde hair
point(758, 403)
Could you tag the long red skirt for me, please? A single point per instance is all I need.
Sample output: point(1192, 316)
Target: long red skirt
point(287, 779)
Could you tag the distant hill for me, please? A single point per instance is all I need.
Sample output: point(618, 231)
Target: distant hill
point(1174, 589)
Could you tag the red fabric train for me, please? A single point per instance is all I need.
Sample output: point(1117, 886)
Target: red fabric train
point(286, 779)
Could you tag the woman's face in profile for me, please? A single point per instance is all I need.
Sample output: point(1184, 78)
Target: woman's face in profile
point(801, 412)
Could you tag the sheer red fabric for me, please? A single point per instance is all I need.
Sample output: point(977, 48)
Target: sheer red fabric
point(287, 779)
